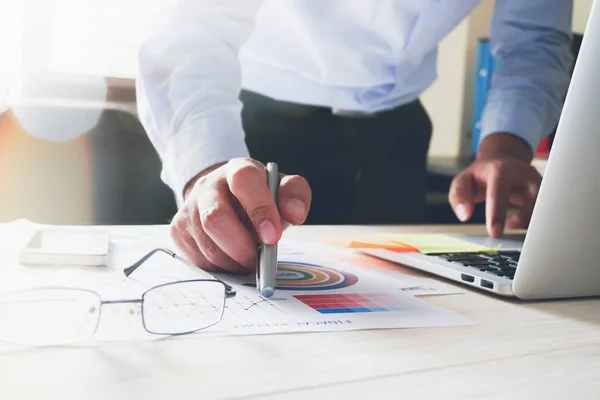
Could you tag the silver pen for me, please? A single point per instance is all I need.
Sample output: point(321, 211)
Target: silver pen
point(266, 271)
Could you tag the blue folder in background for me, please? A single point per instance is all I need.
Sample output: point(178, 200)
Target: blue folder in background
point(486, 65)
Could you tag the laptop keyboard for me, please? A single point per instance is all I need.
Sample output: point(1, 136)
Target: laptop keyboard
point(501, 263)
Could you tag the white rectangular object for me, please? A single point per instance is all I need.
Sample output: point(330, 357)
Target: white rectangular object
point(58, 247)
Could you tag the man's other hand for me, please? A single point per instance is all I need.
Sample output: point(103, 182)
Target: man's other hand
point(501, 175)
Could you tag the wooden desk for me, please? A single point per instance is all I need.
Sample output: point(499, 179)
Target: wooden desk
point(542, 350)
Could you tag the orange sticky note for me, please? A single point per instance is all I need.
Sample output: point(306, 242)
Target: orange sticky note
point(395, 247)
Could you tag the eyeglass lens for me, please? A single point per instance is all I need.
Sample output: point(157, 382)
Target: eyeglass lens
point(48, 316)
point(58, 316)
point(183, 307)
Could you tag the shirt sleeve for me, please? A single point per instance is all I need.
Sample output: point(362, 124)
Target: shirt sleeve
point(531, 40)
point(188, 84)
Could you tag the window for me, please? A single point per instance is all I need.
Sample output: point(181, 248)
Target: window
point(98, 37)
point(10, 46)
point(49, 43)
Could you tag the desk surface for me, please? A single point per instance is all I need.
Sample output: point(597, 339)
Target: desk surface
point(515, 350)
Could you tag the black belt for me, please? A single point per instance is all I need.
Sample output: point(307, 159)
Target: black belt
point(352, 114)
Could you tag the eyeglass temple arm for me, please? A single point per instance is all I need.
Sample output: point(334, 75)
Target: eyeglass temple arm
point(130, 270)
point(229, 291)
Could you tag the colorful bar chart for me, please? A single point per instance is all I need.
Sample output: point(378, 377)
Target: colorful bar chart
point(351, 303)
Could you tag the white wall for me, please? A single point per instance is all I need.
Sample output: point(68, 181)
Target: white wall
point(444, 99)
point(581, 11)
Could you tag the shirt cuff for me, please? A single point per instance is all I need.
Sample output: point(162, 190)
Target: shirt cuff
point(199, 145)
point(514, 117)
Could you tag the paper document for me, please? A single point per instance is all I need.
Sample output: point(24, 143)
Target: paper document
point(406, 279)
point(315, 292)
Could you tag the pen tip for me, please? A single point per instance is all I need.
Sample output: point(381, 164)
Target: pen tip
point(267, 292)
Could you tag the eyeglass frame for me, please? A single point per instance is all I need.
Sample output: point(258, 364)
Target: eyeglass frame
point(229, 292)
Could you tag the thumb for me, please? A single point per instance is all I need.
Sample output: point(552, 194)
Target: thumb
point(462, 195)
point(247, 182)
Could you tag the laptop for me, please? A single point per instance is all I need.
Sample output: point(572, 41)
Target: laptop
point(559, 256)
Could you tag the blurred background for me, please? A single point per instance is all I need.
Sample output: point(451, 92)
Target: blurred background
point(72, 150)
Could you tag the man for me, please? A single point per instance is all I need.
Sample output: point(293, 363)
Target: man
point(331, 94)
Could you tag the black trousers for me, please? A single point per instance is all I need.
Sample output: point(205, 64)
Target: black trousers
point(362, 170)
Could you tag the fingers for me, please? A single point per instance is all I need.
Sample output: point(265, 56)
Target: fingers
point(221, 236)
point(186, 243)
point(247, 181)
point(205, 228)
point(520, 219)
point(498, 192)
point(498, 183)
point(294, 199)
point(462, 196)
point(526, 203)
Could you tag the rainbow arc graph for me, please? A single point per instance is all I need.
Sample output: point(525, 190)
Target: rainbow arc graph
point(298, 276)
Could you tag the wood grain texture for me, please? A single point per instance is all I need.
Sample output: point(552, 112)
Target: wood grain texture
point(546, 349)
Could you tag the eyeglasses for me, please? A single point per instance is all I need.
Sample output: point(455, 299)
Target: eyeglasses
point(64, 315)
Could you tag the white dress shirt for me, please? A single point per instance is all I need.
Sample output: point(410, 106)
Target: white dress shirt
point(360, 55)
